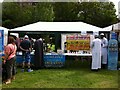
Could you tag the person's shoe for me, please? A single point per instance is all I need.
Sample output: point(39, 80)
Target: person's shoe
point(22, 70)
point(8, 81)
point(30, 70)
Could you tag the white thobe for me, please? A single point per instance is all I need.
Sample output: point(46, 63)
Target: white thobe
point(104, 50)
point(96, 53)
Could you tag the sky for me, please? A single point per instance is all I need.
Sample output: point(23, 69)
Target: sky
point(116, 5)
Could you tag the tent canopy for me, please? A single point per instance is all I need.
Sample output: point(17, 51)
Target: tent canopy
point(58, 26)
point(115, 27)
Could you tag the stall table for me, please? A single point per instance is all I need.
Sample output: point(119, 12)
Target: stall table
point(82, 56)
point(57, 60)
point(49, 60)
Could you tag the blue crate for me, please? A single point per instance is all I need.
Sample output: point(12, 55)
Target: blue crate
point(54, 60)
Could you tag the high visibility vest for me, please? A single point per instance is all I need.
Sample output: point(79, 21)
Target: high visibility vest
point(53, 47)
point(49, 46)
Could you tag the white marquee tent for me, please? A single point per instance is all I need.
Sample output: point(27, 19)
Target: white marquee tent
point(58, 26)
point(115, 27)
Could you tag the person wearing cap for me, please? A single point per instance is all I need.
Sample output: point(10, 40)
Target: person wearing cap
point(96, 54)
point(104, 50)
point(26, 47)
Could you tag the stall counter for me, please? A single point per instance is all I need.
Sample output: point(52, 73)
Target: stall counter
point(50, 60)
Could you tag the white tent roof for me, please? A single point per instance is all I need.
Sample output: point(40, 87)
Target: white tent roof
point(58, 26)
point(115, 27)
point(109, 28)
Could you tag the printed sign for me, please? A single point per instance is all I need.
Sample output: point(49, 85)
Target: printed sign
point(78, 42)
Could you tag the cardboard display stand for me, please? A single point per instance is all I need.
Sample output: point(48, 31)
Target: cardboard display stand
point(112, 52)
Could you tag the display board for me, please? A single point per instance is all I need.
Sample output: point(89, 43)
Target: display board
point(112, 54)
point(78, 42)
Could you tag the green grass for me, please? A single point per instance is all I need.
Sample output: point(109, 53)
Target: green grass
point(75, 74)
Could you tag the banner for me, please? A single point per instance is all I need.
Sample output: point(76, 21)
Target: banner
point(78, 42)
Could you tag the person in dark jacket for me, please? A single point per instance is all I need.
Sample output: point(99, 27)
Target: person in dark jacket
point(38, 59)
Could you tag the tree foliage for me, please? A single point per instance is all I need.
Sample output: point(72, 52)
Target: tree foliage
point(97, 13)
point(19, 14)
point(100, 14)
point(65, 11)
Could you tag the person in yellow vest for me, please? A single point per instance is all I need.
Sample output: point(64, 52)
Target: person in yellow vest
point(52, 47)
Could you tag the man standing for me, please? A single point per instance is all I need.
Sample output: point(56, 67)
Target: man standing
point(26, 47)
point(96, 54)
point(104, 50)
point(38, 61)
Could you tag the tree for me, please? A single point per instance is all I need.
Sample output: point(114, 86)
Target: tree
point(100, 14)
point(43, 12)
point(10, 14)
point(19, 14)
point(65, 11)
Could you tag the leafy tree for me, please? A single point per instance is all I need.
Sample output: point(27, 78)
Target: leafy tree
point(65, 11)
point(10, 14)
point(43, 12)
point(19, 14)
point(97, 13)
point(100, 14)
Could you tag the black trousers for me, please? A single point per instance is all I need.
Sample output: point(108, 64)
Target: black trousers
point(11, 67)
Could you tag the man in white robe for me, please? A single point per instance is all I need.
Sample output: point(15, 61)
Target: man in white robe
point(104, 50)
point(96, 53)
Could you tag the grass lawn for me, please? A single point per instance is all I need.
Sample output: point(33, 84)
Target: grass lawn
point(75, 74)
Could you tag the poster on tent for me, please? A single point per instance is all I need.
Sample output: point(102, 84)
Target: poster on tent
point(78, 42)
